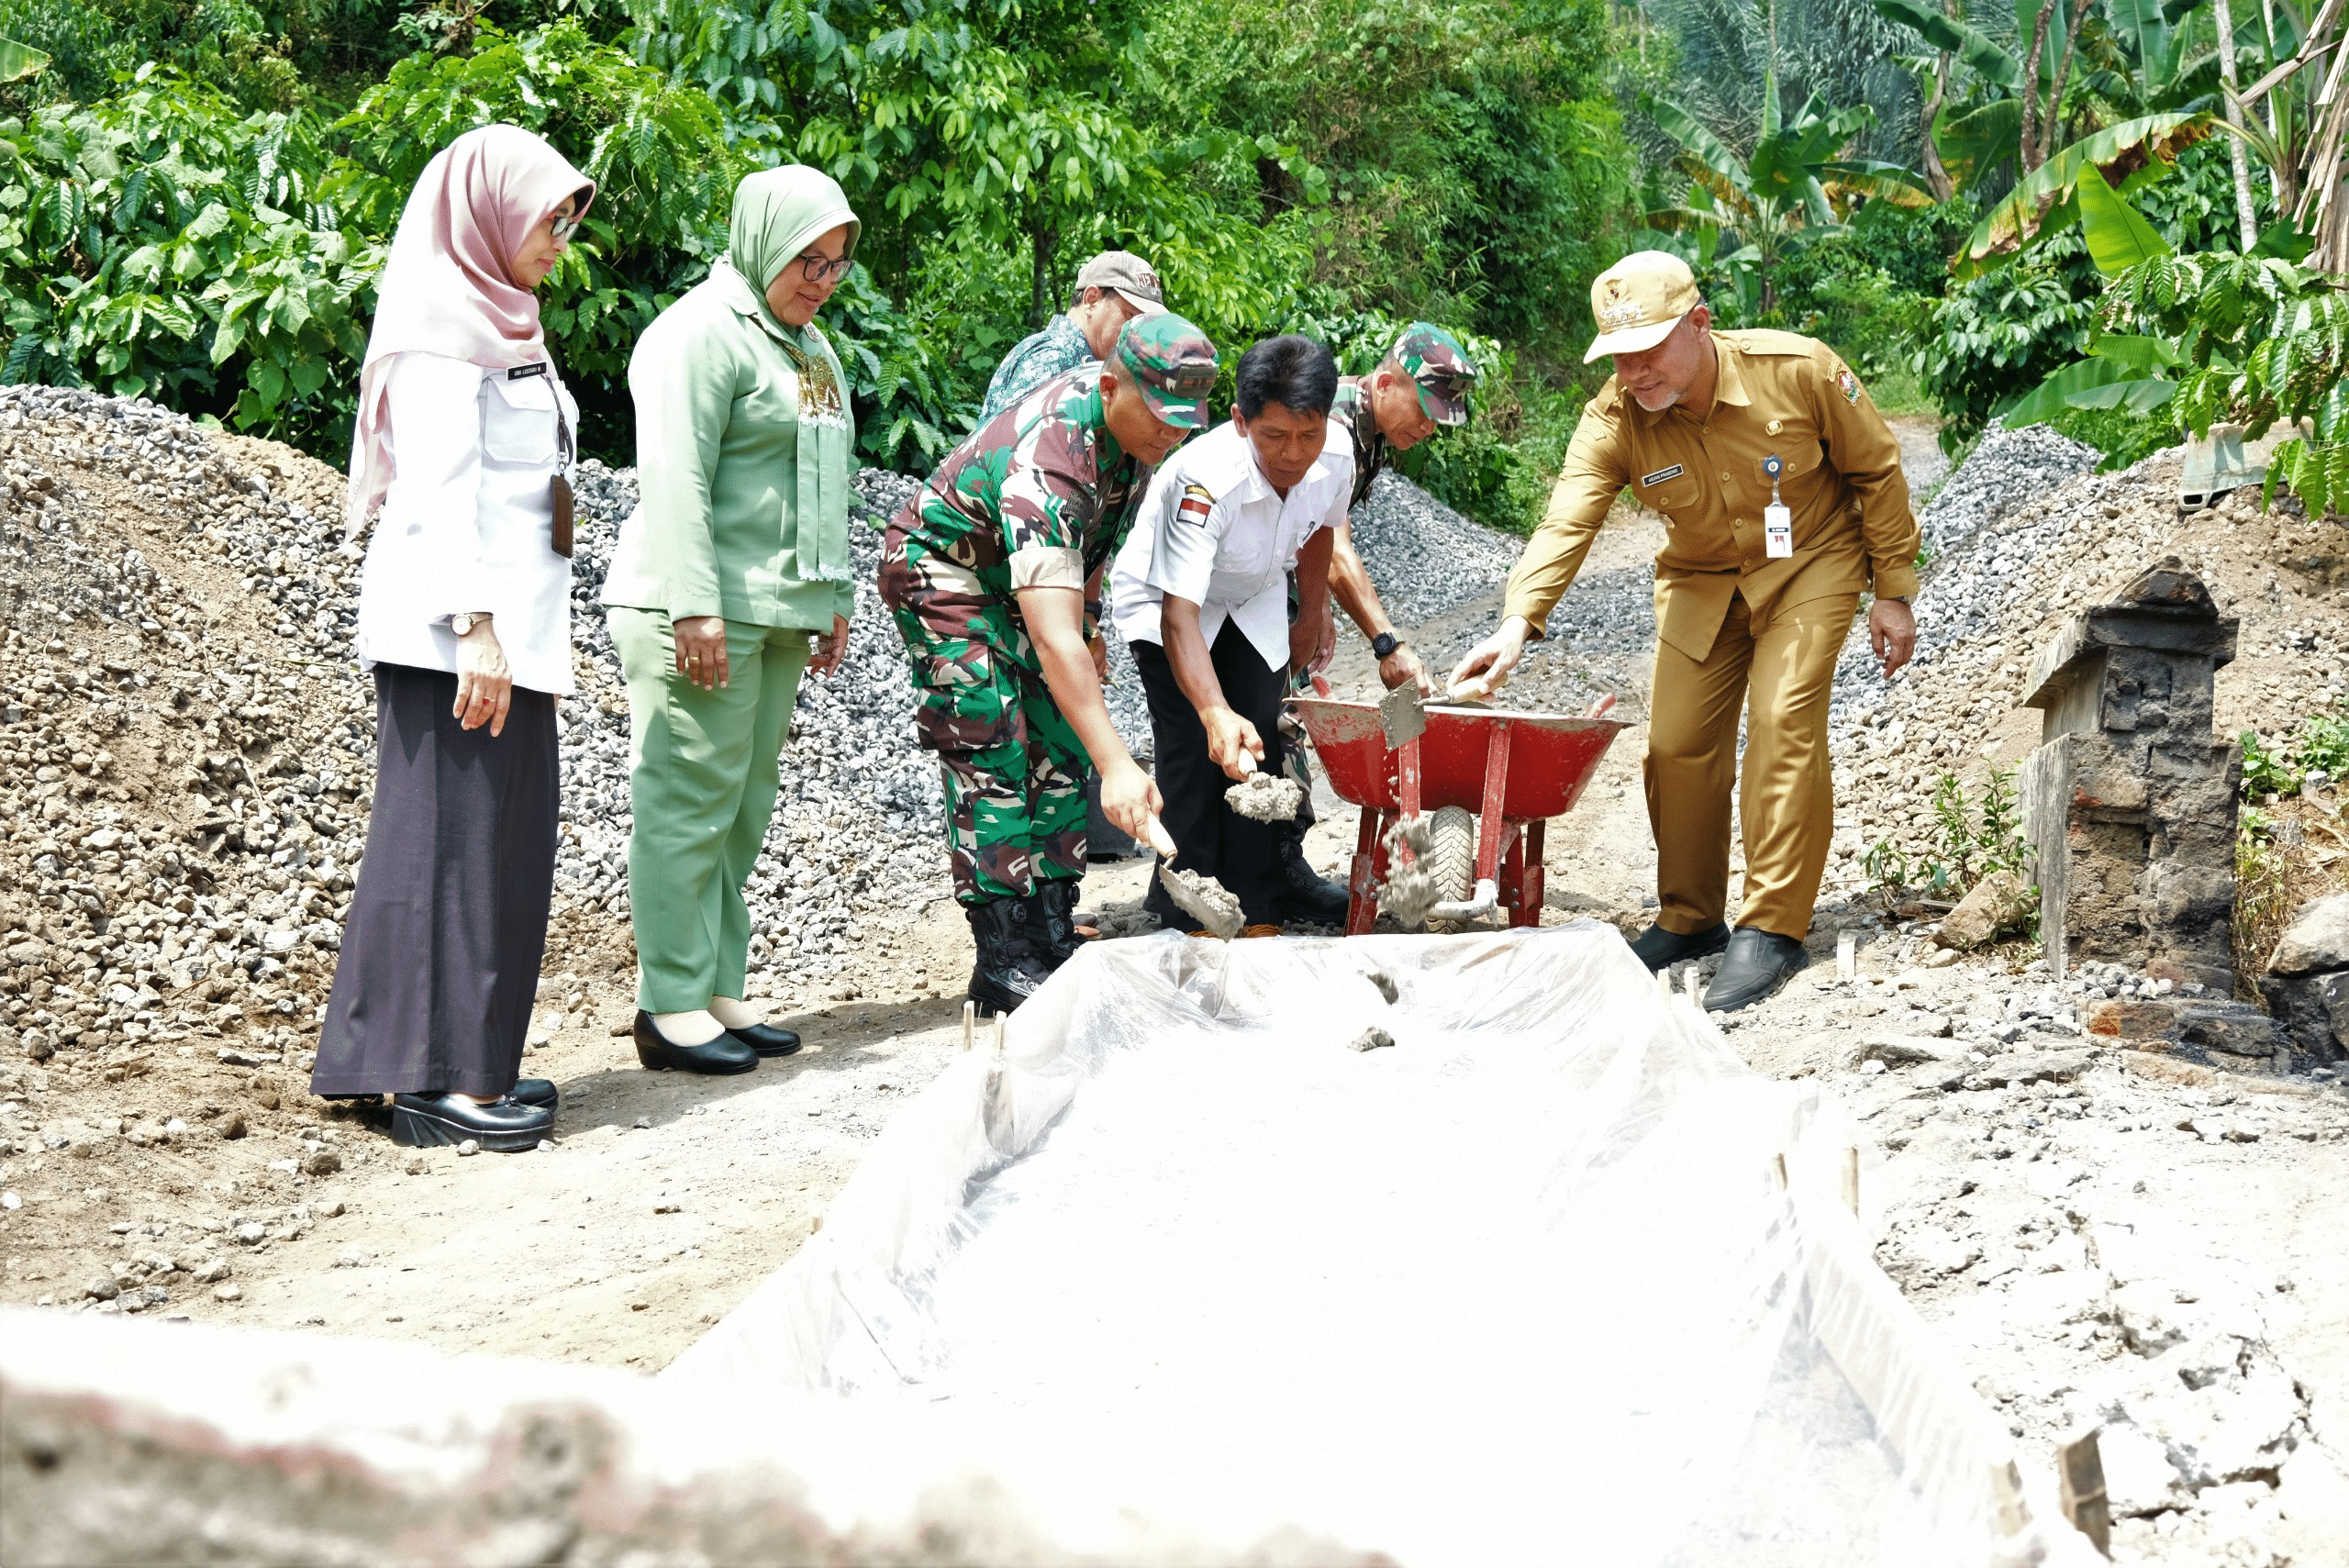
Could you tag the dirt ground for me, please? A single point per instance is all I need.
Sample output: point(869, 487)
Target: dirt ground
point(188, 1174)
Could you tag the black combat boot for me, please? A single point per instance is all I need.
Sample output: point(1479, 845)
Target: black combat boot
point(1304, 893)
point(1051, 915)
point(1010, 962)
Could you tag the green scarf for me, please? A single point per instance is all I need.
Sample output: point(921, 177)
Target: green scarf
point(777, 213)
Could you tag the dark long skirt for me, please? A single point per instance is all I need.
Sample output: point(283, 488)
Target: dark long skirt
point(440, 957)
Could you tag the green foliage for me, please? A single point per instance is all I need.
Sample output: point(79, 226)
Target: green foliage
point(1995, 335)
point(1793, 185)
point(2321, 744)
point(2266, 773)
point(1973, 836)
point(160, 243)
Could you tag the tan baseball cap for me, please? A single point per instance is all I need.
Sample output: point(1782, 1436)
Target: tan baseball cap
point(1637, 301)
point(1127, 273)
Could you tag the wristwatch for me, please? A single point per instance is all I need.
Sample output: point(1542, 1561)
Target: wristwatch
point(463, 623)
point(1384, 643)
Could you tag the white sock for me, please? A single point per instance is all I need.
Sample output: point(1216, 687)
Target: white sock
point(697, 1027)
point(735, 1014)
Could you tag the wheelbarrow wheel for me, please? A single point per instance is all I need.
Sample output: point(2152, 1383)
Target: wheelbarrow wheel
point(1452, 851)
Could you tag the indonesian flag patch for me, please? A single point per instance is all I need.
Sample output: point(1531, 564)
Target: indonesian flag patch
point(1195, 505)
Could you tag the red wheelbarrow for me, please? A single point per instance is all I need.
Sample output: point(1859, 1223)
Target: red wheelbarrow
point(1515, 771)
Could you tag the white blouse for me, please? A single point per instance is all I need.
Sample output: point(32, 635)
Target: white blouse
point(468, 522)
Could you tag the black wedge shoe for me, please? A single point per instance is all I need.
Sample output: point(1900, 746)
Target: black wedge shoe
point(505, 1125)
point(766, 1039)
point(536, 1092)
point(717, 1057)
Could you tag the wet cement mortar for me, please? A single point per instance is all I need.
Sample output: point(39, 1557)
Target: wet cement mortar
point(2104, 1238)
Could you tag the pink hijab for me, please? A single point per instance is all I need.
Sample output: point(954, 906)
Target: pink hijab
point(448, 287)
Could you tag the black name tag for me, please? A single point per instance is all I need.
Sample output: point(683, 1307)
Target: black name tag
point(522, 373)
point(1661, 474)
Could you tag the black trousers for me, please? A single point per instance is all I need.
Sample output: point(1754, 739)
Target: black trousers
point(441, 956)
point(1210, 838)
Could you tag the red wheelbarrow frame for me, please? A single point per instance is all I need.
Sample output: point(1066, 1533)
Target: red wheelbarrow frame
point(1515, 769)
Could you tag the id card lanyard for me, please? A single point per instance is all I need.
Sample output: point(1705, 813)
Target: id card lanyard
point(1777, 522)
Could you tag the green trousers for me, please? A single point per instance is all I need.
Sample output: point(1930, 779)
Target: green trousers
point(704, 768)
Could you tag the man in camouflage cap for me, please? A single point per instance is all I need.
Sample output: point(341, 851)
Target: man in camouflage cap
point(987, 571)
point(1111, 290)
point(1422, 383)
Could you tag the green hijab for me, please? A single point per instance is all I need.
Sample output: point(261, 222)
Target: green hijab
point(777, 213)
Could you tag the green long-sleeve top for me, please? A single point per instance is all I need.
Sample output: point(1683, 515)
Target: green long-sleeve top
point(743, 442)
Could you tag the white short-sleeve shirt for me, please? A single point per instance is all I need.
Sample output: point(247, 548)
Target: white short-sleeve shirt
point(468, 522)
point(1213, 531)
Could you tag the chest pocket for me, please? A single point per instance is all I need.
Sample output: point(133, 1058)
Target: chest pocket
point(771, 408)
point(517, 420)
point(1671, 489)
point(1800, 450)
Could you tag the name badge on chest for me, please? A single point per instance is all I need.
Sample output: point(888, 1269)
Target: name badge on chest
point(1778, 521)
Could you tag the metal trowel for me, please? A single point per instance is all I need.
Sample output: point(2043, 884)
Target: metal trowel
point(1216, 911)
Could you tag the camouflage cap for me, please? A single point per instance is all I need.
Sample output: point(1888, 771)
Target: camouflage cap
point(1435, 358)
point(1173, 364)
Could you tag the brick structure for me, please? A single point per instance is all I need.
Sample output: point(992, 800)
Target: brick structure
point(2130, 800)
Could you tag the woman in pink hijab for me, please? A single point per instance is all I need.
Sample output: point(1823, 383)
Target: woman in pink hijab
point(461, 457)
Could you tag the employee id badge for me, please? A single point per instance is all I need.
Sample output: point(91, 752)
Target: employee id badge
point(1777, 522)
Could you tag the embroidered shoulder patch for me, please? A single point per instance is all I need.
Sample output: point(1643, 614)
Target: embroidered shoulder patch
point(1661, 474)
point(1195, 505)
point(1846, 385)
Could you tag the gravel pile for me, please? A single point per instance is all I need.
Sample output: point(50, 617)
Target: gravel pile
point(181, 860)
point(2034, 536)
point(183, 752)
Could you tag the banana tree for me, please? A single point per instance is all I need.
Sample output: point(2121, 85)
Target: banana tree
point(19, 61)
point(1794, 184)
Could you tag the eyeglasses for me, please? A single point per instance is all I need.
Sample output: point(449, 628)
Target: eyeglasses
point(822, 269)
point(563, 227)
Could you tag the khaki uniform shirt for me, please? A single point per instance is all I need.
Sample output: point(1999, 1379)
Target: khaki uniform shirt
point(1779, 394)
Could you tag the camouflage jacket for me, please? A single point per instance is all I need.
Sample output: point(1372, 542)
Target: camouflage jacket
point(1352, 411)
point(1033, 361)
point(1038, 496)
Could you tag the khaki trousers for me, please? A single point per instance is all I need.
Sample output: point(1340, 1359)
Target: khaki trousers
point(1780, 673)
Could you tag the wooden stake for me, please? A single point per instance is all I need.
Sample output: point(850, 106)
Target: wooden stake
point(970, 1024)
point(998, 1034)
point(1847, 955)
point(1692, 986)
point(1852, 1180)
point(2081, 1464)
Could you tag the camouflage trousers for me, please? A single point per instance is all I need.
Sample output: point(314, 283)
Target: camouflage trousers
point(1014, 770)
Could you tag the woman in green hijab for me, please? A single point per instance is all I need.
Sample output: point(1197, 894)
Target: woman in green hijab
point(735, 560)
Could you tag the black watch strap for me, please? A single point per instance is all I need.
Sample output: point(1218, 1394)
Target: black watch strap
point(1384, 643)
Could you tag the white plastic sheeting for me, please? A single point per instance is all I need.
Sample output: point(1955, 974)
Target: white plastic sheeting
point(1555, 1278)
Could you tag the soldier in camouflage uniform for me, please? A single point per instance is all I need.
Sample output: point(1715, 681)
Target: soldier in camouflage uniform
point(1423, 383)
point(986, 570)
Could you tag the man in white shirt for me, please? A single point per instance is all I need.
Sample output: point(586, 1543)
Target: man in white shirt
point(1200, 593)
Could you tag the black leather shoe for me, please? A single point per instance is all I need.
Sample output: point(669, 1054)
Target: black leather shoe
point(535, 1092)
point(505, 1125)
point(1051, 915)
point(719, 1057)
point(1660, 949)
point(767, 1039)
point(1010, 965)
point(1305, 894)
point(1759, 962)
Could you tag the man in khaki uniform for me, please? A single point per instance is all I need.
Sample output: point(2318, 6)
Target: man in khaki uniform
point(1782, 495)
